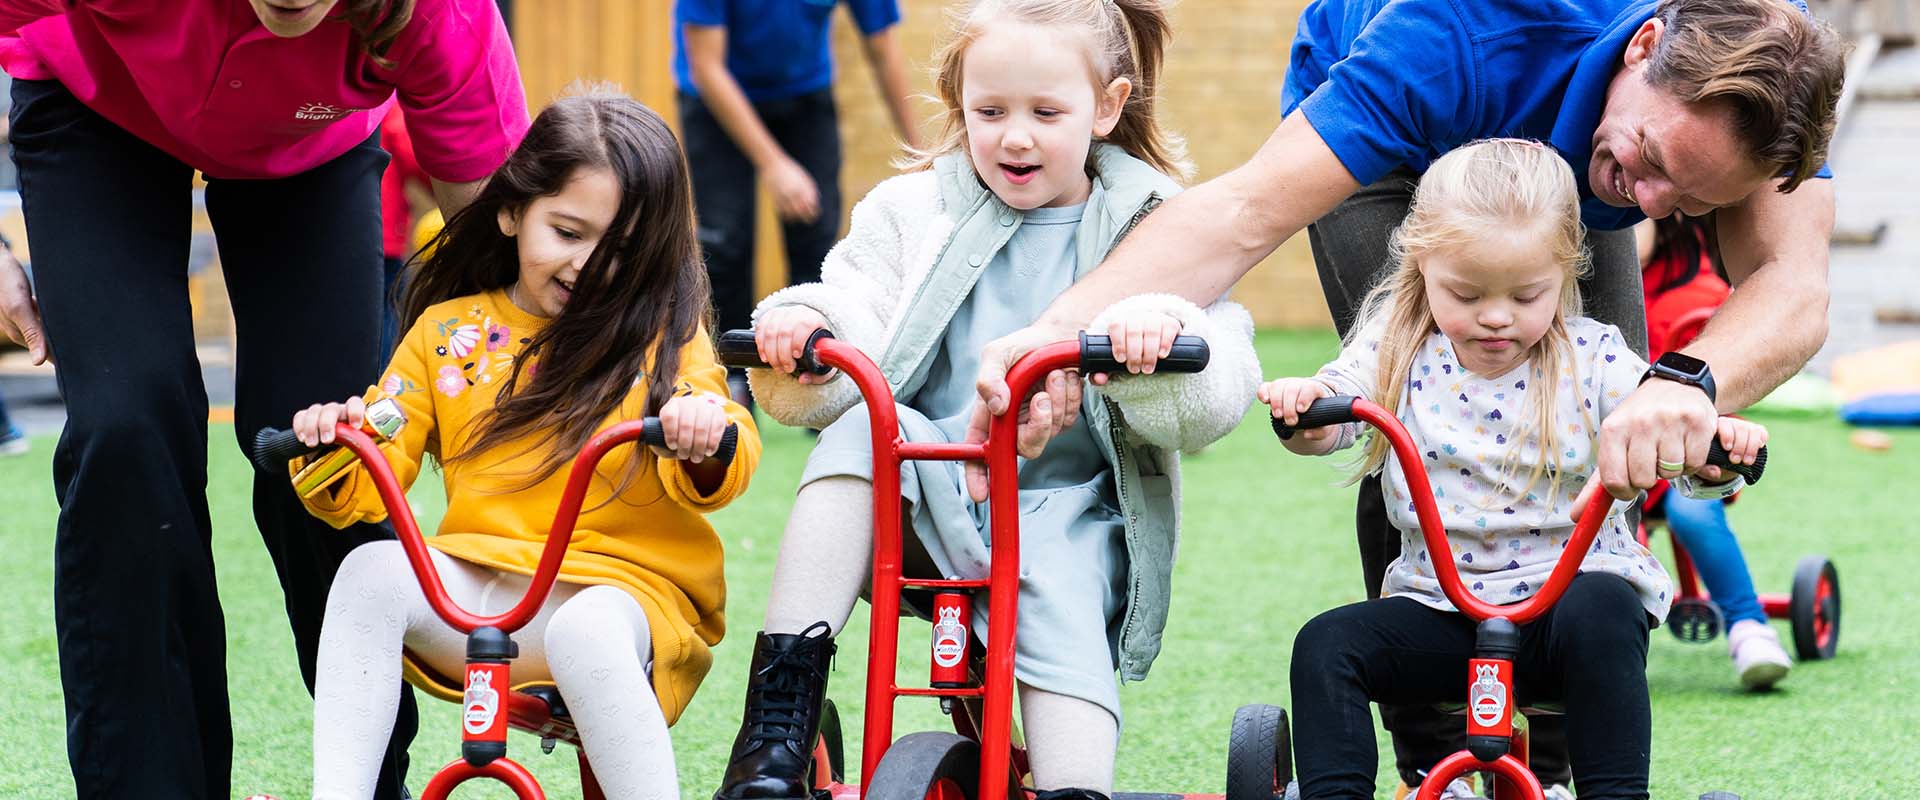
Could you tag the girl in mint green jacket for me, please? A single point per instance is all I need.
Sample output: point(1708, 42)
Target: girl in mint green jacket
point(1044, 170)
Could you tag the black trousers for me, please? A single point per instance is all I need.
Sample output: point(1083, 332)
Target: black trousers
point(1589, 650)
point(141, 636)
point(1350, 252)
point(724, 184)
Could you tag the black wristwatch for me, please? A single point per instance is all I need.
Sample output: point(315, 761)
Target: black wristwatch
point(1682, 368)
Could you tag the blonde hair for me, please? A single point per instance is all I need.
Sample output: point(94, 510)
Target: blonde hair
point(1488, 185)
point(1128, 39)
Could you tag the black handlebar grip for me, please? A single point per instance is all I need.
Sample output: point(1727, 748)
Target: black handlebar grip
point(651, 433)
point(1336, 410)
point(1189, 354)
point(273, 448)
point(738, 348)
point(1717, 456)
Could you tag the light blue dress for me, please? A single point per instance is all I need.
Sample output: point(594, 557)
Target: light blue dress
point(1072, 536)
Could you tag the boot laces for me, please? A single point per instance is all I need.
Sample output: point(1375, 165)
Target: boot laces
point(782, 713)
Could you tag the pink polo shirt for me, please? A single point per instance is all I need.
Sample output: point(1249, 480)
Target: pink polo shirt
point(204, 81)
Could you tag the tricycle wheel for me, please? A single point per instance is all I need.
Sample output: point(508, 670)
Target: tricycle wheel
point(927, 766)
point(1815, 609)
point(831, 739)
point(1259, 753)
point(1695, 621)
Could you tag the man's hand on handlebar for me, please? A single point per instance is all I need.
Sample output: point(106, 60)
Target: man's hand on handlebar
point(1741, 439)
point(999, 356)
point(1048, 411)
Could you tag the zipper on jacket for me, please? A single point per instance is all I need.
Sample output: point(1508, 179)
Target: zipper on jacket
point(1146, 208)
point(1129, 622)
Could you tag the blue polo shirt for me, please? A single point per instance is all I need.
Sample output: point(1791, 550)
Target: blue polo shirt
point(776, 49)
point(1402, 82)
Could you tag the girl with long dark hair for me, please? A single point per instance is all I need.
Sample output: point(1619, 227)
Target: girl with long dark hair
point(568, 296)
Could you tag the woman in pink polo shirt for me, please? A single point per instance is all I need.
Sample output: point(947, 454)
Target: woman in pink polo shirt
point(116, 103)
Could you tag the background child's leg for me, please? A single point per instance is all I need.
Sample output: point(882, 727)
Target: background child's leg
point(374, 609)
point(598, 647)
point(1701, 527)
point(1070, 742)
point(826, 556)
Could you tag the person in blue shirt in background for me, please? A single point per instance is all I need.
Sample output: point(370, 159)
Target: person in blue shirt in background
point(1697, 107)
point(755, 84)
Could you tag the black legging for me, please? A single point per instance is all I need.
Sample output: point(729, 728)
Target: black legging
point(141, 635)
point(725, 189)
point(1350, 253)
point(1590, 650)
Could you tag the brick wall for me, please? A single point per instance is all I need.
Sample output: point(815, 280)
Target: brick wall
point(1221, 89)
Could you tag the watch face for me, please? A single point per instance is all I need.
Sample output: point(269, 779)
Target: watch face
point(1683, 364)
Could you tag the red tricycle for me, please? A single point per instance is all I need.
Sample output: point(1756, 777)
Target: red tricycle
point(536, 707)
point(981, 760)
point(1813, 608)
point(1495, 743)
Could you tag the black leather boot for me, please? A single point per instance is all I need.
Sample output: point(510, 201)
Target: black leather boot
point(773, 754)
point(1068, 794)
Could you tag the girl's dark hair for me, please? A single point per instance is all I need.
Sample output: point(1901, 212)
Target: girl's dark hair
point(1681, 241)
point(640, 298)
point(376, 23)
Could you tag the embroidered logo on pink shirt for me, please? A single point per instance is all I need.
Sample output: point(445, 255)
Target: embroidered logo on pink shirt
point(321, 112)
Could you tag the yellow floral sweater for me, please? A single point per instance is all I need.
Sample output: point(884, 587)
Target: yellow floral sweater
point(653, 540)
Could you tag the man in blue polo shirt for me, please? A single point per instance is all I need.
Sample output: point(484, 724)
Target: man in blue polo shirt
point(756, 100)
point(1722, 107)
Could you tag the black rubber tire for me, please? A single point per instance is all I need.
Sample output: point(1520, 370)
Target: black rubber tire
point(1806, 609)
point(1695, 621)
point(836, 743)
point(1259, 753)
point(918, 761)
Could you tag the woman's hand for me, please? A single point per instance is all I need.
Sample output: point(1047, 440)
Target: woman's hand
point(19, 314)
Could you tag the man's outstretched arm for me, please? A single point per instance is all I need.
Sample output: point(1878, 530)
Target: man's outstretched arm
point(1196, 245)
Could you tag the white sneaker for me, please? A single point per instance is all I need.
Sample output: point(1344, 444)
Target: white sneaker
point(1460, 789)
point(1557, 792)
point(1758, 658)
point(13, 442)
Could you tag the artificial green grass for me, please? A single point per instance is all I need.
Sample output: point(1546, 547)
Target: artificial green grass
point(1267, 544)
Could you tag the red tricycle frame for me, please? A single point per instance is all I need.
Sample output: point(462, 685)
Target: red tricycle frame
point(1493, 744)
point(1002, 766)
point(526, 711)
